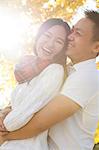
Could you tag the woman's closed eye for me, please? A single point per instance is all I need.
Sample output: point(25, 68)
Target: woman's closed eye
point(60, 42)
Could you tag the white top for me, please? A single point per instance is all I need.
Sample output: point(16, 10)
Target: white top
point(77, 132)
point(27, 99)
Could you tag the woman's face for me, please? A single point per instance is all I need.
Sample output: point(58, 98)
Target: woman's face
point(51, 42)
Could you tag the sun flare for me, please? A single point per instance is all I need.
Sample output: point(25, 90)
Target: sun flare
point(14, 26)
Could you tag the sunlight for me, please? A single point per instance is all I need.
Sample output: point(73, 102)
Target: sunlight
point(13, 27)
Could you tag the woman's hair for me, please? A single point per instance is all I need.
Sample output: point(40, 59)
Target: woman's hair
point(50, 23)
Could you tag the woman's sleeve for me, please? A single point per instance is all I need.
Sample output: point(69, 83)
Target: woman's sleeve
point(50, 82)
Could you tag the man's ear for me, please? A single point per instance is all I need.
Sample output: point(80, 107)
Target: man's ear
point(96, 48)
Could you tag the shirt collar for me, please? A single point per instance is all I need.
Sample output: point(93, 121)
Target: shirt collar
point(84, 64)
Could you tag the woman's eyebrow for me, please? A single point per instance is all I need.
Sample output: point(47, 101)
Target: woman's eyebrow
point(48, 32)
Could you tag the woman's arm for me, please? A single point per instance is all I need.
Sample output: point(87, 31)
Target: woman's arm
point(49, 83)
point(3, 114)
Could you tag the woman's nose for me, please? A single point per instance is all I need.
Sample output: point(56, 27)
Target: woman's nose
point(51, 43)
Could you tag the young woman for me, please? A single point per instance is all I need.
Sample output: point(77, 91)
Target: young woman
point(31, 96)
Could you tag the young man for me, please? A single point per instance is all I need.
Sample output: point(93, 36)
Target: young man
point(72, 115)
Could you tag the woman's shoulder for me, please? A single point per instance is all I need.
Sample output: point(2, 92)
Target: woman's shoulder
point(51, 72)
point(53, 68)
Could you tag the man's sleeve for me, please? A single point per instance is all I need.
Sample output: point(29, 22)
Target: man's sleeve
point(80, 87)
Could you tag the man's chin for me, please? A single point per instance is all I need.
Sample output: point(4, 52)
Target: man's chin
point(69, 54)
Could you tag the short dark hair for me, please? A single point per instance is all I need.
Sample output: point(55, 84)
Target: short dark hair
point(94, 17)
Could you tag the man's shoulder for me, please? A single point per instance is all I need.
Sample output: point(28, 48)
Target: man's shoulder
point(85, 77)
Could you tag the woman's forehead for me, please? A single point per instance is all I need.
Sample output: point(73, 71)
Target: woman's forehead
point(57, 30)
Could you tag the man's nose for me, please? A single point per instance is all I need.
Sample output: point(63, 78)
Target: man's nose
point(71, 37)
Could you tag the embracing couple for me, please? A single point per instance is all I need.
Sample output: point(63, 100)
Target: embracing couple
point(56, 106)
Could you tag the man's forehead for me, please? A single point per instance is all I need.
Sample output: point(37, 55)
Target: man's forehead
point(79, 23)
point(83, 24)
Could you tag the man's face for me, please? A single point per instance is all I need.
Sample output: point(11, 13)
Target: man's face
point(80, 45)
point(51, 42)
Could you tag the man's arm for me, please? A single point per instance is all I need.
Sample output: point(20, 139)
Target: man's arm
point(60, 108)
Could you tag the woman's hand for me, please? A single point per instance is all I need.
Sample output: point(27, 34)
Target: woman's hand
point(3, 132)
point(3, 114)
point(2, 139)
point(1, 125)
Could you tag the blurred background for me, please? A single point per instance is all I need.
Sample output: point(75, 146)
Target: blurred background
point(19, 22)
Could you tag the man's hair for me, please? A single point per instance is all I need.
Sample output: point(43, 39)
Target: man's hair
point(94, 17)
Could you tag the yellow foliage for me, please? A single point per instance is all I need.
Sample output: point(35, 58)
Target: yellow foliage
point(97, 135)
point(59, 8)
point(97, 65)
point(97, 3)
point(7, 78)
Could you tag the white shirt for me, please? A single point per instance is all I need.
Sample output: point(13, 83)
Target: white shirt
point(27, 99)
point(77, 131)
